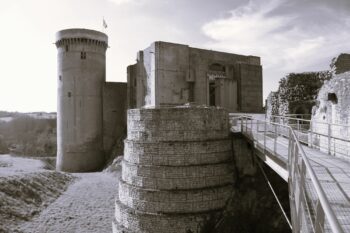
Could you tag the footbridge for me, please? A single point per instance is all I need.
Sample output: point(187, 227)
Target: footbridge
point(315, 164)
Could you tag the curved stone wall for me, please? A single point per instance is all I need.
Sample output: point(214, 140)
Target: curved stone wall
point(81, 58)
point(178, 153)
point(176, 173)
point(177, 177)
point(141, 222)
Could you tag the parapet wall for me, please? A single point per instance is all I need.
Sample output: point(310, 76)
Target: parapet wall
point(176, 173)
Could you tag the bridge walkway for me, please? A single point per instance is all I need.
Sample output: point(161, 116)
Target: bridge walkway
point(273, 144)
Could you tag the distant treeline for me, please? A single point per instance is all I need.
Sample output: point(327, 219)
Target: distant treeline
point(28, 136)
point(10, 114)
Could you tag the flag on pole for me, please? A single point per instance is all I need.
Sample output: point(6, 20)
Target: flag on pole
point(104, 23)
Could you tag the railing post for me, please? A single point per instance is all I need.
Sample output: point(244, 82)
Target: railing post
point(251, 127)
point(242, 124)
point(298, 130)
point(290, 151)
point(319, 220)
point(265, 137)
point(275, 141)
point(311, 128)
point(301, 185)
point(329, 138)
point(290, 157)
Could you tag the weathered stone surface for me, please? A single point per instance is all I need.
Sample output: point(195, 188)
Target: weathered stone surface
point(177, 177)
point(114, 118)
point(178, 153)
point(170, 124)
point(176, 173)
point(181, 201)
point(130, 221)
point(332, 107)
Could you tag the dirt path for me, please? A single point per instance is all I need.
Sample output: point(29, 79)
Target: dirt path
point(87, 206)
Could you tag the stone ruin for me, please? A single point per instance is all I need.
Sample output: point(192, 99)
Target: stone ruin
point(297, 92)
point(176, 174)
point(325, 96)
point(333, 106)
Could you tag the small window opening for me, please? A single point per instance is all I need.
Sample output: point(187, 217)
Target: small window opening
point(333, 98)
point(67, 48)
point(212, 93)
point(191, 94)
point(60, 78)
point(69, 94)
point(83, 55)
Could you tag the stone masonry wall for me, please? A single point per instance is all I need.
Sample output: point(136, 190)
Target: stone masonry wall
point(335, 111)
point(176, 173)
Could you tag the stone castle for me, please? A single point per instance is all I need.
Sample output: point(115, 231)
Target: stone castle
point(170, 120)
point(91, 113)
point(176, 170)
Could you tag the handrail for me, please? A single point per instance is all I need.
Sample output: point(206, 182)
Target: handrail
point(335, 137)
point(309, 121)
point(293, 167)
point(333, 221)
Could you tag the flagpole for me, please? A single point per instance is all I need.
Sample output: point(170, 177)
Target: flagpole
point(104, 24)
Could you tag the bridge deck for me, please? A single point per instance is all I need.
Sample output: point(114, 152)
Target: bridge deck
point(332, 172)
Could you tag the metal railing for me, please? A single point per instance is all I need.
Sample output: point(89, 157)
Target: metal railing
point(310, 209)
point(333, 139)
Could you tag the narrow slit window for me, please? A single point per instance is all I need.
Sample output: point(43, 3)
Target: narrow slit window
point(83, 55)
point(60, 78)
point(67, 48)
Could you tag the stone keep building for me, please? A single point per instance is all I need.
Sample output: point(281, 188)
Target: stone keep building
point(176, 173)
point(91, 112)
point(168, 74)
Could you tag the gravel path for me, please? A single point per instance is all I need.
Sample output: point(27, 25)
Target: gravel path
point(87, 206)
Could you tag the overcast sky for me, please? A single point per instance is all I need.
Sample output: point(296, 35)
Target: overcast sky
point(290, 36)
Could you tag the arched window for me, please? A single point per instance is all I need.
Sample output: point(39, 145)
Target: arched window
point(333, 98)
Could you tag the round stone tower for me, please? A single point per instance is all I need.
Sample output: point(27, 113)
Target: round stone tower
point(81, 74)
point(176, 172)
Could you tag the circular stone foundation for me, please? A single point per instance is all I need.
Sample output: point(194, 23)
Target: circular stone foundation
point(176, 173)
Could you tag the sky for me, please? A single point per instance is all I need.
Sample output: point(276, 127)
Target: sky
point(289, 36)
